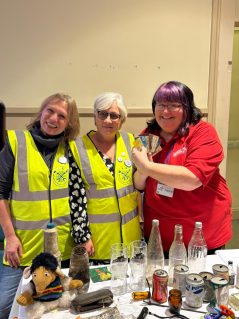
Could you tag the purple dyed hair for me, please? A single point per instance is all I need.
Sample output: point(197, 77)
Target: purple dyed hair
point(174, 91)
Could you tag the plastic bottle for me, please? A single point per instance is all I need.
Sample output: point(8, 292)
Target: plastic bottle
point(177, 251)
point(197, 250)
point(232, 274)
point(155, 255)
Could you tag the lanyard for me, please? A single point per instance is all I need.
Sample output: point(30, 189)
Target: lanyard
point(169, 153)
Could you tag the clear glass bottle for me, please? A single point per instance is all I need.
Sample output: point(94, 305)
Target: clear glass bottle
point(155, 255)
point(197, 250)
point(232, 274)
point(177, 251)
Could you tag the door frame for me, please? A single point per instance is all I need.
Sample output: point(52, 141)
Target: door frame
point(220, 66)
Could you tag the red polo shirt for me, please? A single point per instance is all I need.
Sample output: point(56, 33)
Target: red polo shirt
point(201, 152)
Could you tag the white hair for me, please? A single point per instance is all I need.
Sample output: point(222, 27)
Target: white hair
point(105, 100)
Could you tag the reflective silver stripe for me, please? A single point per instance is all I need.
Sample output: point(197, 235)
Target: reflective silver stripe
point(129, 216)
point(126, 139)
point(93, 192)
point(40, 195)
point(40, 224)
point(109, 192)
point(25, 194)
point(85, 161)
point(124, 191)
point(104, 218)
point(22, 162)
point(114, 217)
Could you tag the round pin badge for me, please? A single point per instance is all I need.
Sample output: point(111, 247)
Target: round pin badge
point(62, 160)
point(120, 159)
point(123, 153)
point(128, 163)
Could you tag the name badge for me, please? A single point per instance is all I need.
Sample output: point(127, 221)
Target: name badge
point(164, 190)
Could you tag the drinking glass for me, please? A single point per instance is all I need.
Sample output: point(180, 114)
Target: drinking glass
point(118, 268)
point(138, 265)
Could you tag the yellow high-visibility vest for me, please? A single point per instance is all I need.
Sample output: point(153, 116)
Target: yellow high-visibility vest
point(111, 200)
point(35, 192)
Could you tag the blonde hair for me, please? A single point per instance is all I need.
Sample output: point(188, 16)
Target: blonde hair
point(105, 100)
point(73, 128)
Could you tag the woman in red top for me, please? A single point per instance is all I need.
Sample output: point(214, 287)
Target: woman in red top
point(183, 183)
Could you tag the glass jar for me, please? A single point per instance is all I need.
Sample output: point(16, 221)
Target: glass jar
point(175, 301)
point(79, 266)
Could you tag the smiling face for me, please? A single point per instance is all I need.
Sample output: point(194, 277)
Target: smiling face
point(169, 116)
point(54, 118)
point(108, 126)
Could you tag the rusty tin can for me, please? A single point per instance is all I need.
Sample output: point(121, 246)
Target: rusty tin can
point(194, 290)
point(179, 277)
point(220, 287)
point(160, 286)
point(221, 270)
point(208, 290)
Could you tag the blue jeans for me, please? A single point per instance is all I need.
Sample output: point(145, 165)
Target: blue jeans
point(9, 280)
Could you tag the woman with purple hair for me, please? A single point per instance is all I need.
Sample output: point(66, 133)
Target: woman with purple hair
point(182, 183)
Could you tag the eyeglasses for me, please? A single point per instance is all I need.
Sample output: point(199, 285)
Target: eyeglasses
point(170, 107)
point(113, 116)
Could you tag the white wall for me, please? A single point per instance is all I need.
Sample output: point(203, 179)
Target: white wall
point(86, 47)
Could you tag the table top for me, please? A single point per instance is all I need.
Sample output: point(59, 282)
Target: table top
point(129, 309)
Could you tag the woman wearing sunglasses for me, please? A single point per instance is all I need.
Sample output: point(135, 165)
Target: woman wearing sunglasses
point(107, 172)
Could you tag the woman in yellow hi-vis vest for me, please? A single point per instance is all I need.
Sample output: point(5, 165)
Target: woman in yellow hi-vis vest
point(107, 172)
point(37, 171)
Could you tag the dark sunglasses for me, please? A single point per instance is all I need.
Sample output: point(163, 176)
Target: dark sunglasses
point(102, 115)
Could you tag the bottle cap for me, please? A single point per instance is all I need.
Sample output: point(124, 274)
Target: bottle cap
point(51, 225)
point(155, 221)
point(198, 224)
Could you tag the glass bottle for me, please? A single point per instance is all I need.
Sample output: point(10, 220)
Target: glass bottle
point(155, 255)
point(51, 242)
point(79, 266)
point(177, 252)
point(232, 274)
point(175, 301)
point(197, 250)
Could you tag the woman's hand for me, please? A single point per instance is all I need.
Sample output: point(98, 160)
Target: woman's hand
point(13, 251)
point(140, 158)
point(89, 247)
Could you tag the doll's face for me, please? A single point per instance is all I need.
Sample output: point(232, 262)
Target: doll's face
point(42, 278)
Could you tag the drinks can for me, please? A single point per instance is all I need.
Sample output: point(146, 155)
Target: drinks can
point(221, 270)
point(194, 290)
point(221, 290)
point(208, 290)
point(179, 277)
point(160, 286)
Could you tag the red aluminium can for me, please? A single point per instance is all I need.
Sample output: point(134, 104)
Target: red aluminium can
point(160, 286)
